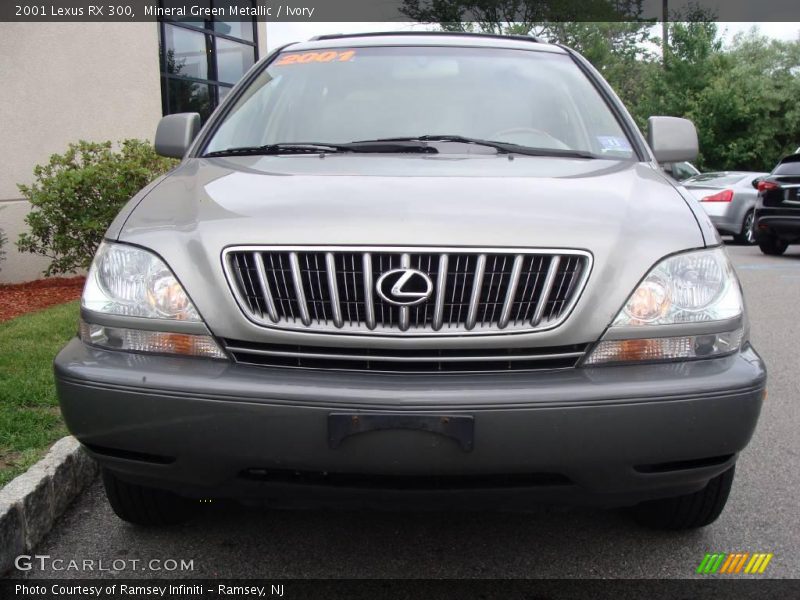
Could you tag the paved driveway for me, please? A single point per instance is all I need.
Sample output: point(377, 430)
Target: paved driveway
point(762, 514)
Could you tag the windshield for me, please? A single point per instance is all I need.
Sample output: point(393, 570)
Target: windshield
point(529, 98)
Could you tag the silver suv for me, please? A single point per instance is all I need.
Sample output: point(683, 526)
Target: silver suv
point(391, 264)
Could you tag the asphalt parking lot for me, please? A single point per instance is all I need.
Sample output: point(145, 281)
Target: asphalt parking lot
point(762, 514)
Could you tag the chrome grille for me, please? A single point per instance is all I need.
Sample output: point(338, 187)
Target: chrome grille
point(474, 291)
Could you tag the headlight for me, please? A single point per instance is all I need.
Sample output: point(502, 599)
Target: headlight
point(132, 282)
point(695, 287)
point(125, 280)
point(686, 288)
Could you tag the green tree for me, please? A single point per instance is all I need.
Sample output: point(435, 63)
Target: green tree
point(747, 112)
point(619, 50)
point(742, 98)
point(517, 16)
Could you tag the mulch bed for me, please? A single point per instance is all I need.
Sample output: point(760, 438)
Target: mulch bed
point(19, 298)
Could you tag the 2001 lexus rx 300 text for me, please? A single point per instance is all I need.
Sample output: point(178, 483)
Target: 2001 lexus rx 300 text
point(400, 268)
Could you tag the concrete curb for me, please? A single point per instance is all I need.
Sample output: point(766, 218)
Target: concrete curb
point(31, 503)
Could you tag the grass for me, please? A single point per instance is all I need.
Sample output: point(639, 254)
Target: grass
point(30, 420)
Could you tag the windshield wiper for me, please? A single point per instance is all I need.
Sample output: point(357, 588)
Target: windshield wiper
point(276, 149)
point(371, 147)
point(501, 147)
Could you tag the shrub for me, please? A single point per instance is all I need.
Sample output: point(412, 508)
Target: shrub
point(77, 194)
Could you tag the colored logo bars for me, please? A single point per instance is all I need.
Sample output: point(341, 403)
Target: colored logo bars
point(736, 563)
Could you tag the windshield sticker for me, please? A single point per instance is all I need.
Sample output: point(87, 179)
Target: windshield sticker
point(304, 58)
point(614, 143)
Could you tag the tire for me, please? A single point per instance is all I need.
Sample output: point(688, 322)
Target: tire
point(772, 246)
point(747, 236)
point(689, 511)
point(145, 506)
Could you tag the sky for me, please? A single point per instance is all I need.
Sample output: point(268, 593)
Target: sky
point(279, 34)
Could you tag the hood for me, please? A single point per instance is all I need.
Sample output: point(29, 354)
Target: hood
point(626, 214)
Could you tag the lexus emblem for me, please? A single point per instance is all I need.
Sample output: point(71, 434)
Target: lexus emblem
point(404, 287)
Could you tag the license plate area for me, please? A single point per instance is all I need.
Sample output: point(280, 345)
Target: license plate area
point(459, 428)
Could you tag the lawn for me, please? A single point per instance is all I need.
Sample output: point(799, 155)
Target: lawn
point(30, 420)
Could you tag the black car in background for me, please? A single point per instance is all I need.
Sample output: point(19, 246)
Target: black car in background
point(777, 218)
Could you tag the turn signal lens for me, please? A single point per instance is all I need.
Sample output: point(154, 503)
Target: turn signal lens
point(660, 349)
point(160, 342)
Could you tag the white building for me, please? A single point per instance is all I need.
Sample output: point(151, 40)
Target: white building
point(64, 82)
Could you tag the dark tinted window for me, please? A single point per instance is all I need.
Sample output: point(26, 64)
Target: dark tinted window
point(233, 60)
point(201, 59)
point(189, 96)
point(788, 166)
point(238, 29)
point(187, 55)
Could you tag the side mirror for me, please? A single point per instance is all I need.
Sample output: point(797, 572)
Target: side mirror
point(756, 181)
point(176, 133)
point(672, 139)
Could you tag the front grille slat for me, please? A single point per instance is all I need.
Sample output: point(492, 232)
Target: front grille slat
point(472, 290)
point(441, 292)
point(369, 307)
point(266, 292)
point(285, 295)
point(511, 291)
point(333, 289)
point(411, 359)
point(547, 288)
point(405, 317)
point(394, 360)
point(297, 280)
point(475, 296)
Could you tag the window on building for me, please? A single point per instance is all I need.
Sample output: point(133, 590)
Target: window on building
point(201, 60)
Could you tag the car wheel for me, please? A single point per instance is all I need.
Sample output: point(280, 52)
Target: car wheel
point(146, 506)
point(689, 511)
point(747, 235)
point(772, 246)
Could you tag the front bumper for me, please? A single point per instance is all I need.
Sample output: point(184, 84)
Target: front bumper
point(611, 435)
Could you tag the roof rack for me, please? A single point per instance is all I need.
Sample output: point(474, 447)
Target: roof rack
point(336, 36)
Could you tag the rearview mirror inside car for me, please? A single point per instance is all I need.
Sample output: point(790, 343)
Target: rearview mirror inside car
point(176, 133)
point(672, 139)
